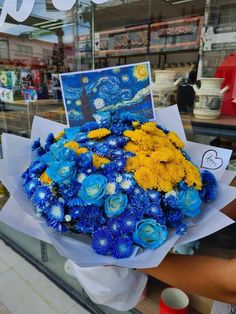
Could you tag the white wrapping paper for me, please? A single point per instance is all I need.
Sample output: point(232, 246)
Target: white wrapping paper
point(17, 155)
point(114, 286)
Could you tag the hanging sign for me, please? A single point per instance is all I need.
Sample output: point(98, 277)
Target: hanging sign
point(21, 13)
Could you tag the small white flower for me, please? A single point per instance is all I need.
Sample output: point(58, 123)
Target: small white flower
point(81, 177)
point(111, 188)
point(68, 218)
point(119, 178)
point(126, 184)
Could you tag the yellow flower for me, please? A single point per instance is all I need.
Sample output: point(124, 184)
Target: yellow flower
point(59, 135)
point(135, 124)
point(81, 150)
point(162, 154)
point(72, 145)
point(174, 138)
point(150, 127)
point(45, 178)
point(192, 175)
point(99, 133)
point(131, 147)
point(145, 178)
point(98, 161)
point(141, 72)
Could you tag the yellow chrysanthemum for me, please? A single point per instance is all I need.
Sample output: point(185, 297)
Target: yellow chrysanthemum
point(45, 178)
point(174, 138)
point(141, 72)
point(98, 161)
point(145, 178)
point(162, 154)
point(131, 147)
point(192, 175)
point(72, 145)
point(136, 135)
point(59, 135)
point(99, 133)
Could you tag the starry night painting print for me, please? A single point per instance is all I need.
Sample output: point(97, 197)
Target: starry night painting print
point(91, 94)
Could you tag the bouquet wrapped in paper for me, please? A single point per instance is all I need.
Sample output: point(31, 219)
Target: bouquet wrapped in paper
point(119, 191)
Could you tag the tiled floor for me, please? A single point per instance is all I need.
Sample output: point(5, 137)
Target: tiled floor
point(23, 289)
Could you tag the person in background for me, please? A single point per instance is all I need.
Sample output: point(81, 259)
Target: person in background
point(207, 276)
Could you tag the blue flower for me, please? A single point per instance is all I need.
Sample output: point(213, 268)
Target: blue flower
point(37, 167)
point(128, 183)
point(115, 204)
point(89, 126)
point(127, 223)
point(122, 247)
point(174, 217)
point(88, 220)
point(209, 186)
point(101, 241)
point(31, 186)
point(71, 133)
point(189, 202)
point(49, 141)
point(55, 212)
point(62, 171)
point(153, 195)
point(42, 196)
point(93, 189)
point(114, 226)
point(181, 229)
point(149, 234)
point(59, 227)
point(36, 144)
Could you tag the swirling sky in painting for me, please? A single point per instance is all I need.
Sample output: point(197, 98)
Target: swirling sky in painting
point(91, 94)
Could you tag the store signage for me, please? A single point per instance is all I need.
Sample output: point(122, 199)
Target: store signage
point(127, 41)
point(219, 38)
point(10, 7)
point(171, 35)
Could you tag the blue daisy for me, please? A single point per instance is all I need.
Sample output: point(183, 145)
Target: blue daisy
point(36, 145)
point(31, 186)
point(114, 226)
point(181, 229)
point(55, 212)
point(122, 247)
point(42, 195)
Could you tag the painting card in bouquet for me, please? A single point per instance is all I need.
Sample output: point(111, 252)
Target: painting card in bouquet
point(92, 94)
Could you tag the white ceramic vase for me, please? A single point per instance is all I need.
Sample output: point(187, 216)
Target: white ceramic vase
point(208, 98)
point(164, 88)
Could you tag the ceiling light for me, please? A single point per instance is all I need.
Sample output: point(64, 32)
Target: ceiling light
point(181, 1)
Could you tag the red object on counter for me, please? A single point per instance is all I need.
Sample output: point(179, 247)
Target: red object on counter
point(173, 301)
point(227, 70)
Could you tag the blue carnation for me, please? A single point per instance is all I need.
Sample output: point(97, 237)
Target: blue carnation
point(115, 204)
point(122, 247)
point(89, 126)
point(88, 220)
point(101, 241)
point(93, 189)
point(149, 234)
point(127, 223)
point(114, 226)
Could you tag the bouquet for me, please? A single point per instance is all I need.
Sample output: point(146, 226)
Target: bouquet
point(121, 191)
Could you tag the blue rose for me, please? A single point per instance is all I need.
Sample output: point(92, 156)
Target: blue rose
point(62, 171)
point(93, 189)
point(189, 202)
point(115, 204)
point(149, 234)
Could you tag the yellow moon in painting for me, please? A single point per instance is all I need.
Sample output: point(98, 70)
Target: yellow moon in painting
point(141, 72)
point(78, 102)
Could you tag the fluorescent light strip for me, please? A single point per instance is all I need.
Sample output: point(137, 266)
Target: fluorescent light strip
point(45, 22)
point(181, 1)
point(52, 24)
point(62, 26)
